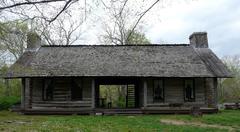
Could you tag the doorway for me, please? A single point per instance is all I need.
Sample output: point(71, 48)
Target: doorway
point(117, 96)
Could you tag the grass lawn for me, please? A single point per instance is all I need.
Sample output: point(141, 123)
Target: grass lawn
point(228, 120)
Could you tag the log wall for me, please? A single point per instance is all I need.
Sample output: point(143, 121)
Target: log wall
point(174, 92)
point(205, 93)
point(61, 93)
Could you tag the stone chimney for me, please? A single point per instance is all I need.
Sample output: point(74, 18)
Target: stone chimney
point(33, 41)
point(199, 40)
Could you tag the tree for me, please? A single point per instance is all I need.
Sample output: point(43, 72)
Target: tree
point(19, 7)
point(229, 90)
point(48, 11)
point(137, 38)
point(120, 25)
point(64, 31)
point(13, 37)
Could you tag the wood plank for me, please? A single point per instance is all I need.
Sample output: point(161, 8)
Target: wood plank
point(61, 102)
point(145, 93)
point(93, 93)
point(23, 93)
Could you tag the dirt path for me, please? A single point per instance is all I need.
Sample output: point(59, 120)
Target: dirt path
point(198, 124)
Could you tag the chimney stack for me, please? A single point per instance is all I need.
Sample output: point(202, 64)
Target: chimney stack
point(33, 41)
point(199, 40)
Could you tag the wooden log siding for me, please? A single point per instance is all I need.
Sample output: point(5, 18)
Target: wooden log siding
point(145, 93)
point(39, 103)
point(211, 92)
point(200, 98)
point(86, 103)
point(174, 92)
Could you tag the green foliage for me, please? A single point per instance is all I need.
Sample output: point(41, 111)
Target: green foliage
point(9, 90)
point(121, 102)
point(137, 38)
point(7, 101)
point(146, 123)
point(13, 37)
point(114, 94)
point(229, 90)
point(32, 38)
point(16, 26)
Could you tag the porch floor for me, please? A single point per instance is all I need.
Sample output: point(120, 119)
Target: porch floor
point(100, 111)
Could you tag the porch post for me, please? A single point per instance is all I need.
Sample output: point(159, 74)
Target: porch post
point(27, 93)
point(145, 93)
point(93, 93)
point(22, 93)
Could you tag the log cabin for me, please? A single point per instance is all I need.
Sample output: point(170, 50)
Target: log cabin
point(160, 78)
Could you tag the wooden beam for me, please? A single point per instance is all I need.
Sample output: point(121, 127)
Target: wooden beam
point(93, 93)
point(27, 93)
point(145, 93)
point(22, 93)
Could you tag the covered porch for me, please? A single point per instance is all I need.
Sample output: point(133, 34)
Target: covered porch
point(80, 95)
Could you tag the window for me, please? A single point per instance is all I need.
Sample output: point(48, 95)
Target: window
point(48, 86)
point(158, 91)
point(76, 90)
point(189, 90)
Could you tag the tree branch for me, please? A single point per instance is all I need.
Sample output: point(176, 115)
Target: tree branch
point(63, 9)
point(141, 18)
point(29, 3)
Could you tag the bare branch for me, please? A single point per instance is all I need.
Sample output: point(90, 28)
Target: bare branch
point(29, 3)
point(139, 19)
point(63, 9)
point(125, 2)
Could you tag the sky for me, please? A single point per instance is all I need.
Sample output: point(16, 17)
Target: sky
point(219, 18)
point(173, 23)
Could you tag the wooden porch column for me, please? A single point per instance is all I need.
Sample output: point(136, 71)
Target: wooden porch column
point(22, 93)
point(145, 93)
point(93, 93)
point(27, 93)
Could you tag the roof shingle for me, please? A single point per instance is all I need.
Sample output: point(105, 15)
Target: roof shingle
point(131, 60)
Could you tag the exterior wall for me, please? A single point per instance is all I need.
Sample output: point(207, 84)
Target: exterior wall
point(211, 92)
point(174, 92)
point(205, 93)
point(34, 93)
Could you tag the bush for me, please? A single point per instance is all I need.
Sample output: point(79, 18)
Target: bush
point(7, 101)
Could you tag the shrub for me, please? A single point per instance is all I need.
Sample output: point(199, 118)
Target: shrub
point(7, 101)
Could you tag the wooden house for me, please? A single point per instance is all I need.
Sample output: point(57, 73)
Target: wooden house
point(160, 78)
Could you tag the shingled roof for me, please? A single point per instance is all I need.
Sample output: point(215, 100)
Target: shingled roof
point(126, 61)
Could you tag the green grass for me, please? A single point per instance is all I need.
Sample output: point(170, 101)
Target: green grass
point(143, 123)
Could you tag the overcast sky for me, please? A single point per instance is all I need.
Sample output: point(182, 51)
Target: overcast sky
point(219, 18)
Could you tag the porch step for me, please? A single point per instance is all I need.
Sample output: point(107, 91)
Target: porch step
point(123, 113)
point(119, 111)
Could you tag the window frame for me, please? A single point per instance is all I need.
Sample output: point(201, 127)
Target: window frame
point(163, 91)
point(193, 88)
